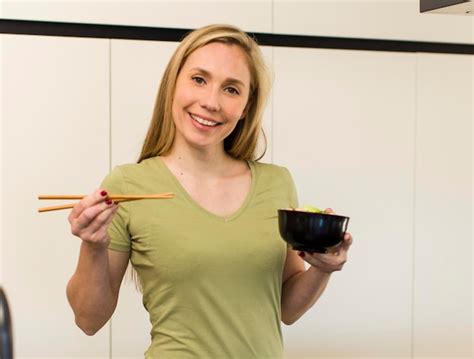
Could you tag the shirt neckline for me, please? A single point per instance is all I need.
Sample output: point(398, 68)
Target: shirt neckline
point(182, 191)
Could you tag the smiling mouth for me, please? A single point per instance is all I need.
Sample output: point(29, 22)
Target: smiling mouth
point(203, 121)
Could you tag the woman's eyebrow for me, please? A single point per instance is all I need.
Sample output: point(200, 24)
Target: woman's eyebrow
point(208, 74)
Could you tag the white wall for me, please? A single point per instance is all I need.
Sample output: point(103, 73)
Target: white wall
point(55, 116)
point(383, 137)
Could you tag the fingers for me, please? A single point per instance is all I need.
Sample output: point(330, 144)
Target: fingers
point(327, 262)
point(97, 196)
point(343, 245)
point(101, 215)
point(90, 218)
point(333, 260)
point(346, 242)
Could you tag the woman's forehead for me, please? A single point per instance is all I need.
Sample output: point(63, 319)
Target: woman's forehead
point(221, 60)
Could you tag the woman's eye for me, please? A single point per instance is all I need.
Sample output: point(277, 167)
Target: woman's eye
point(232, 90)
point(199, 80)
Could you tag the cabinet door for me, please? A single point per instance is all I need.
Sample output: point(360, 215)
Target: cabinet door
point(55, 140)
point(343, 123)
point(251, 15)
point(443, 247)
point(369, 19)
point(137, 68)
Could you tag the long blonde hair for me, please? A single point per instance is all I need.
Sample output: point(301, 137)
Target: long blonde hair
point(242, 142)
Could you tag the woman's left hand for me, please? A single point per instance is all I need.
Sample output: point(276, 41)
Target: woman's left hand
point(335, 257)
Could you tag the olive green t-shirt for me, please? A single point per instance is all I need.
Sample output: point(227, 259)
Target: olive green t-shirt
point(211, 285)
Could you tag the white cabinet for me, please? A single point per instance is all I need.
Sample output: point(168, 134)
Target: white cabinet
point(55, 140)
point(343, 123)
point(443, 207)
point(369, 19)
point(137, 68)
point(251, 15)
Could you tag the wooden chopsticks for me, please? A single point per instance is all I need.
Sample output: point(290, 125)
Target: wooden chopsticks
point(115, 198)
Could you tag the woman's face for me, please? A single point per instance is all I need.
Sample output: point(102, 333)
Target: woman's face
point(212, 90)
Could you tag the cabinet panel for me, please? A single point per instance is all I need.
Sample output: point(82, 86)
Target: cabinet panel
point(55, 125)
point(344, 126)
point(391, 20)
point(443, 246)
point(137, 68)
point(251, 15)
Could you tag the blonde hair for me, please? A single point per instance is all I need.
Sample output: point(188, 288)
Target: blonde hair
point(242, 142)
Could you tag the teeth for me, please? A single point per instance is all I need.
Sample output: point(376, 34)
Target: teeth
point(203, 121)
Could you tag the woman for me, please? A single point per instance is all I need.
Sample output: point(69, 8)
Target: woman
point(216, 277)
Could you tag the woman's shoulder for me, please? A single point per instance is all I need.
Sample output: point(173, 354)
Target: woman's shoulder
point(132, 169)
point(272, 172)
point(269, 168)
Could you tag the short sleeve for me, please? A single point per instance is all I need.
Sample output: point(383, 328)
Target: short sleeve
point(114, 183)
point(291, 189)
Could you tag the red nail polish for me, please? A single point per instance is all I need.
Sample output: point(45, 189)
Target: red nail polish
point(108, 202)
point(103, 193)
point(301, 254)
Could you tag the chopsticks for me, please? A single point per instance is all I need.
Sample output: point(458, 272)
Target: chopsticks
point(115, 198)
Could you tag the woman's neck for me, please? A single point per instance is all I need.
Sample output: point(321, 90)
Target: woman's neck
point(212, 162)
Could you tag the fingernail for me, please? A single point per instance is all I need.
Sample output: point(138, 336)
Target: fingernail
point(109, 202)
point(301, 254)
point(103, 193)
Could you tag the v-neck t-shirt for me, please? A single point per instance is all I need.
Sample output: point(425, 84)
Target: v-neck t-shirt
point(211, 284)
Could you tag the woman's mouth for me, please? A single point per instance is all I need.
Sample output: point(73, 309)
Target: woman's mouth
point(203, 121)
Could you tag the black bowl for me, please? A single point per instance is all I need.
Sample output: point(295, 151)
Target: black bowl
point(311, 232)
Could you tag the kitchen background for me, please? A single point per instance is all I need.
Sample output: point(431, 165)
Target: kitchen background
point(384, 137)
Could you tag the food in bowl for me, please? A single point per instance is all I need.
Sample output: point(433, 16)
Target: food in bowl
point(309, 208)
point(309, 229)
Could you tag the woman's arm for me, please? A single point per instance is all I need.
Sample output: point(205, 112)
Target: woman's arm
point(302, 288)
point(93, 289)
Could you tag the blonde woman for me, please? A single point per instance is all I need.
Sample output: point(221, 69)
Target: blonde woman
point(216, 277)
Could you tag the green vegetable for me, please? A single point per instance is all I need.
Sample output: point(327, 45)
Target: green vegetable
point(312, 209)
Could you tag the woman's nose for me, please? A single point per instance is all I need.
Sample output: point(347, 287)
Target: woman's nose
point(211, 100)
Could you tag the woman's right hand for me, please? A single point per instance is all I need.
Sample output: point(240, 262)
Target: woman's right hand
point(90, 218)
point(94, 287)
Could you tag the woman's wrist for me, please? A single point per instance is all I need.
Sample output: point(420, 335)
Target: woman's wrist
point(317, 272)
point(94, 248)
